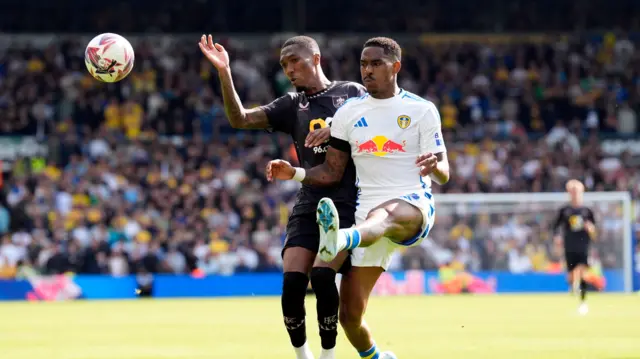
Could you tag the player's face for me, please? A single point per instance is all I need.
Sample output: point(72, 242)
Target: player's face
point(378, 70)
point(576, 195)
point(299, 64)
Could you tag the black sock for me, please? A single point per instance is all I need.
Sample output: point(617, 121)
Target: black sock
point(583, 289)
point(323, 281)
point(294, 290)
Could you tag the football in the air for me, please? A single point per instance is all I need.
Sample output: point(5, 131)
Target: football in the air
point(109, 57)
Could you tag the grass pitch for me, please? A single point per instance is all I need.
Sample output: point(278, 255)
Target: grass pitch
point(469, 327)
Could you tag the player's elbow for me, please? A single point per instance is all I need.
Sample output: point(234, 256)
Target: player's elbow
point(238, 122)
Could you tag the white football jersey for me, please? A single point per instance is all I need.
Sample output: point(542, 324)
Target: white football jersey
point(386, 137)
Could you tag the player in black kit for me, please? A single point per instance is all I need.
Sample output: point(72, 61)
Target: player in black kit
point(578, 226)
point(306, 116)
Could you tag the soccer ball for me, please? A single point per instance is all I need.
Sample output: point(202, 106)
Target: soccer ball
point(109, 57)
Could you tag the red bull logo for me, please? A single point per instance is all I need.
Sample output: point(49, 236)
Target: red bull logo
point(380, 146)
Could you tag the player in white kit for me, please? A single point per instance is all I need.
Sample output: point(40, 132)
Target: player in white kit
point(396, 143)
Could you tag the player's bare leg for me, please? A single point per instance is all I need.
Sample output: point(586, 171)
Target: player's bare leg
point(355, 289)
point(297, 262)
point(323, 280)
point(396, 220)
point(578, 277)
point(573, 281)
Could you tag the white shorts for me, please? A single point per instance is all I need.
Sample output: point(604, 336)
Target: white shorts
point(379, 254)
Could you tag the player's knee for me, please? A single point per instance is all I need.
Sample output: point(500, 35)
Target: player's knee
point(350, 316)
point(297, 259)
point(294, 285)
point(392, 222)
point(322, 278)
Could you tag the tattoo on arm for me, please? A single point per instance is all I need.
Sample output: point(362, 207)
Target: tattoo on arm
point(255, 119)
point(331, 171)
point(238, 116)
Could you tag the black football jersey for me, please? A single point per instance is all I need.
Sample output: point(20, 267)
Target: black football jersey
point(296, 114)
point(572, 221)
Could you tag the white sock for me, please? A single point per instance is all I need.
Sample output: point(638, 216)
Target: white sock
point(348, 238)
point(304, 352)
point(328, 353)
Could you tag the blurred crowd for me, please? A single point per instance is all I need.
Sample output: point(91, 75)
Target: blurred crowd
point(146, 175)
point(332, 16)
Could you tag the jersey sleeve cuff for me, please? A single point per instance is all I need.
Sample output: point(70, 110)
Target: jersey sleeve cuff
point(339, 144)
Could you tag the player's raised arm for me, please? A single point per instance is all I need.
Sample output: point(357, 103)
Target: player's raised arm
point(238, 116)
point(433, 161)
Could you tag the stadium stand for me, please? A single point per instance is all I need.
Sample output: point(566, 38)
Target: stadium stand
point(146, 175)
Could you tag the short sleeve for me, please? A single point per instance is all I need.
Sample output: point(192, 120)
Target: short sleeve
point(339, 135)
point(358, 90)
point(281, 113)
point(338, 128)
point(430, 127)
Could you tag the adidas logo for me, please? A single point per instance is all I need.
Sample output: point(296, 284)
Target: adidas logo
point(361, 123)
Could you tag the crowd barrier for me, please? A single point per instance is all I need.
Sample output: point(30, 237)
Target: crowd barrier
point(269, 284)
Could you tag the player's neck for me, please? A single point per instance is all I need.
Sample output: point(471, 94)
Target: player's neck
point(320, 84)
point(387, 94)
point(576, 204)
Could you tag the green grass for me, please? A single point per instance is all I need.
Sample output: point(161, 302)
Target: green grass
point(498, 327)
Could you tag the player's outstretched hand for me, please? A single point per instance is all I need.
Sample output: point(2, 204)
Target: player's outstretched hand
point(280, 169)
point(215, 53)
point(427, 163)
point(317, 137)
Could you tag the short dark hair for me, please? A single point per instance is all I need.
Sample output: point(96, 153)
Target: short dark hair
point(388, 45)
point(304, 41)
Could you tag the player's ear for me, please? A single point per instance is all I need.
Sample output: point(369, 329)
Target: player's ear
point(316, 59)
point(396, 67)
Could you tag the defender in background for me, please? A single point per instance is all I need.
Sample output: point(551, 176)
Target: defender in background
point(578, 230)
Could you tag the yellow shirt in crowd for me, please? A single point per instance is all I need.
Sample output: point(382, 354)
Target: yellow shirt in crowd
point(132, 120)
point(112, 117)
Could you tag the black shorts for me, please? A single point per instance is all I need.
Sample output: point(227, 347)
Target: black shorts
point(576, 258)
point(303, 231)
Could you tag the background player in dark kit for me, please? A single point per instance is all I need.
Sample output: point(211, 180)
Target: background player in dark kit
point(304, 115)
point(578, 227)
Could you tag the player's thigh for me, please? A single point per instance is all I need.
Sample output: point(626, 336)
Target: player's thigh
point(301, 244)
point(575, 261)
point(582, 263)
point(341, 263)
point(303, 240)
point(355, 289)
point(297, 259)
point(404, 220)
